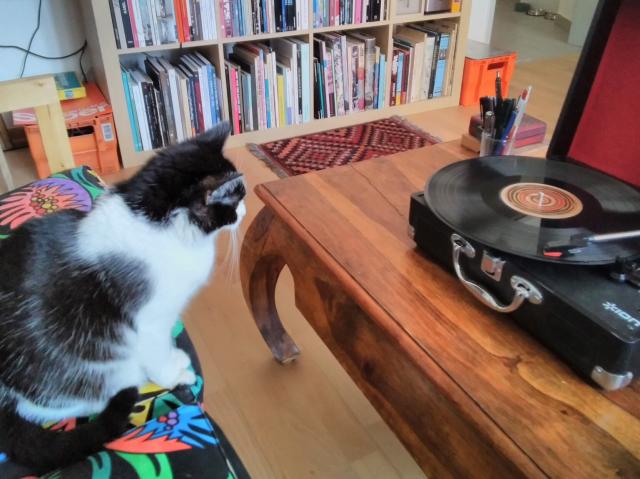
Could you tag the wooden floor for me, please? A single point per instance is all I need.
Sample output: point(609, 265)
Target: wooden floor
point(307, 419)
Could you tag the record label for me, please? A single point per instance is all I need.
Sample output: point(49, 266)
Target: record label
point(541, 201)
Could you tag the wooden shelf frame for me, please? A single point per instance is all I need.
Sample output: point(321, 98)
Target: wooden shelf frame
point(106, 70)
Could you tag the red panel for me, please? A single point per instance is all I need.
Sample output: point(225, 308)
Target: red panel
point(608, 136)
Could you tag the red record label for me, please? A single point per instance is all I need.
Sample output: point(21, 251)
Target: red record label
point(541, 201)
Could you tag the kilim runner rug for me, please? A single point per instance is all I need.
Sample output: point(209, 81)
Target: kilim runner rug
point(317, 151)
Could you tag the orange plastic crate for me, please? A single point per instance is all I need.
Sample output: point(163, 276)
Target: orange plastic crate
point(480, 68)
point(91, 133)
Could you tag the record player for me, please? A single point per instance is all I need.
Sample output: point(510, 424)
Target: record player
point(555, 242)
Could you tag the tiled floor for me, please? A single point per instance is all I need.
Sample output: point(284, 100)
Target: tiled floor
point(534, 38)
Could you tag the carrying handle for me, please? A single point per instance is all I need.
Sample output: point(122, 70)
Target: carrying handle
point(523, 289)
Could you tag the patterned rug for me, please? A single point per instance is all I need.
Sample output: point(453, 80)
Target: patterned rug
point(317, 151)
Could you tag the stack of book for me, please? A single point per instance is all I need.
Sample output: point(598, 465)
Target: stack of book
point(422, 61)
point(170, 103)
point(196, 19)
point(143, 23)
point(327, 13)
point(268, 84)
point(252, 17)
point(349, 74)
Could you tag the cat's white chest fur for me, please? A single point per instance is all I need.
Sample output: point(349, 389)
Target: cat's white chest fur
point(178, 259)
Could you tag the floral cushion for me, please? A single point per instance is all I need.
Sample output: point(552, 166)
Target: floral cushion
point(171, 435)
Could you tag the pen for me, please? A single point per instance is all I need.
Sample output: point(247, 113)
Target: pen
point(522, 105)
point(488, 124)
point(498, 87)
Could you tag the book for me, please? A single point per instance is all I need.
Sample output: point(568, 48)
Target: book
point(135, 84)
point(131, 110)
point(160, 79)
point(126, 23)
point(68, 86)
point(369, 42)
point(303, 48)
point(383, 77)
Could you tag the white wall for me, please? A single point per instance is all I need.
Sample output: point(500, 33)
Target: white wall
point(581, 21)
point(61, 32)
point(566, 7)
point(549, 5)
point(481, 21)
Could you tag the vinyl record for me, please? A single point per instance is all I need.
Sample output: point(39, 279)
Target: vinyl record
point(519, 204)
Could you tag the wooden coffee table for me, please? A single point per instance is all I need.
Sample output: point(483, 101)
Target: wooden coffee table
point(467, 392)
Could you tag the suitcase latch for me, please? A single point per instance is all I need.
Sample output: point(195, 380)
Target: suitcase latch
point(492, 266)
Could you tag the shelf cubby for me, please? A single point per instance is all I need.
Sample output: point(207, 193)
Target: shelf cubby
point(106, 58)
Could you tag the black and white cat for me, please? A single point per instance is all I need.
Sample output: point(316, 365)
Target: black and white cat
point(88, 300)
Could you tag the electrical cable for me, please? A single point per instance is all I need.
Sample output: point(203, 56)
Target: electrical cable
point(27, 51)
point(33, 35)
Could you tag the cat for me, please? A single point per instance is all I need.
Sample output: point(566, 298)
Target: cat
point(88, 300)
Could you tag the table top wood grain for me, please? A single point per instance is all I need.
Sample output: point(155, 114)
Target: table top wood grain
point(523, 397)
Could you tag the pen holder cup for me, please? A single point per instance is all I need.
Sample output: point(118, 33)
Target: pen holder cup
point(490, 146)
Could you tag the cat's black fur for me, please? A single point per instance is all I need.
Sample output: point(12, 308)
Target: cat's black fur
point(57, 310)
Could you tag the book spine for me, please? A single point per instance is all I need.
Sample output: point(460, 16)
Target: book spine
point(353, 79)
point(199, 106)
point(255, 15)
point(141, 115)
point(330, 86)
point(376, 74)
point(145, 22)
point(382, 80)
point(394, 78)
point(346, 86)
point(323, 110)
point(375, 11)
point(114, 23)
point(370, 60)
point(434, 63)
point(238, 98)
point(400, 77)
point(151, 114)
point(212, 95)
point(175, 102)
point(167, 109)
point(281, 95)
point(300, 85)
point(406, 76)
point(357, 17)
point(306, 93)
point(139, 24)
point(126, 23)
point(133, 121)
point(290, 18)
point(316, 90)
point(339, 78)
point(361, 76)
point(441, 66)
point(279, 13)
point(193, 105)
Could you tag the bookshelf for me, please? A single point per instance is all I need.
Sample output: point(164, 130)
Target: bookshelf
point(106, 59)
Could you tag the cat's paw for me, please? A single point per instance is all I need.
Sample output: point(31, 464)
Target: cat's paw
point(180, 359)
point(187, 378)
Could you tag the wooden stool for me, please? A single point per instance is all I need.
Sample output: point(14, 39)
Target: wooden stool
point(39, 93)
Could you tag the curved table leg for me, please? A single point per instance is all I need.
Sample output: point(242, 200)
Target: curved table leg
point(260, 267)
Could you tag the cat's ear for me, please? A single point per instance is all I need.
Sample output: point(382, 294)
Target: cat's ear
point(230, 191)
point(214, 138)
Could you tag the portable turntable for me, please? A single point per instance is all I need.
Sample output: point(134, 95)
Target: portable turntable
point(556, 242)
